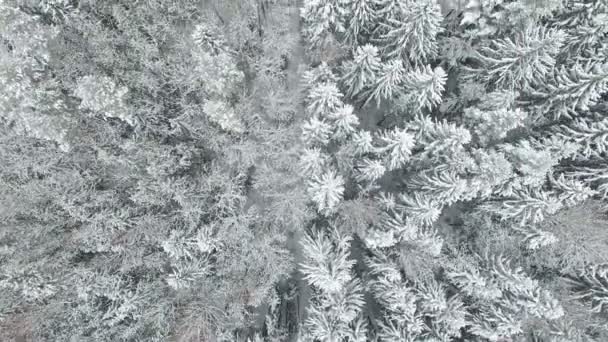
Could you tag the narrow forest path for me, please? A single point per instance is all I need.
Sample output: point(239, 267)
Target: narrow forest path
point(293, 311)
point(297, 63)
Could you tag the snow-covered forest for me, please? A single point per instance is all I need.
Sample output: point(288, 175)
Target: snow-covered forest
point(304, 170)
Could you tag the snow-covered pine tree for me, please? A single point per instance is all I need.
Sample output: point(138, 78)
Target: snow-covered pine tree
point(445, 187)
point(590, 135)
point(493, 125)
point(313, 161)
point(522, 61)
point(423, 87)
point(326, 191)
point(571, 192)
point(335, 312)
point(586, 26)
point(344, 122)
point(322, 18)
point(409, 30)
point(388, 83)
point(420, 208)
point(396, 147)
point(571, 90)
point(591, 285)
point(316, 132)
point(323, 99)
point(413, 310)
point(438, 138)
point(532, 161)
point(504, 298)
point(361, 72)
point(534, 238)
point(370, 170)
point(594, 176)
point(525, 206)
point(363, 143)
point(362, 21)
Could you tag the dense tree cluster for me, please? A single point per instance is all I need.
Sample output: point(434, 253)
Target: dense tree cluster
point(316, 170)
point(486, 119)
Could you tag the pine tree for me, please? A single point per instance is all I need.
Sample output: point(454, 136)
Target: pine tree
point(572, 90)
point(316, 132)
point(591, 136)
point(491, 174)
point(423, 87)
point(397, 147)
point(363, 143)
point(326, 266)
point(327, 191)
point(494, 125)
point(321, 74)
point(591, 285)
point(413, 310)
point(596, 177)
point(402, 321)
point(370, 170)
point(505, 298)
point(585, 39)
point(335, 312)
point(439, 138)
point(526, 206)
point(344, 122)
point(444, 187)
point(388, 82)
point(322, 19)
point(313, 162)
point(522, 61)
point(220, 113)
point(361, 22)
point(323, 99)
point(32, 103)
point(535, 238)
point(420, 209)
point(410, 30)
point(571, 192)
point(532, 161)
point(361, 72)
point(207, 37)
